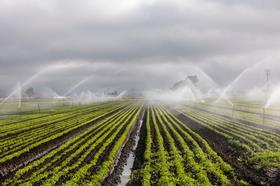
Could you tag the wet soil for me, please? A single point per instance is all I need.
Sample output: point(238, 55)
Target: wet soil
point(116, 173)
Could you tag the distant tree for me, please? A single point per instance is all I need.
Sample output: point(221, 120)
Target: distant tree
point(29, 92)
point(193, 79)
point(113, 93)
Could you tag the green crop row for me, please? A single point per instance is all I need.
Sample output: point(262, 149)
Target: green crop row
point(209, 161)
point(64, 168)
point(256, 147)
point(107, 165)
point(24, 139)
point(79, 177)
point(73, 123)
point(42, 164)
point(146, 172)
point(181, 157)
point(22, 126)
point(58, 163)
point(250, 114)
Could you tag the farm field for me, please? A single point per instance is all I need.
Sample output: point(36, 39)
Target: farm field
point(196, 144)
point(252, 112)
point(34, 105)
point(247, 138)
point(175, 155)
point(139, 93)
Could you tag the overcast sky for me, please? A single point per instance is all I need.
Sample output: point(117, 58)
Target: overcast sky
point(134, 43)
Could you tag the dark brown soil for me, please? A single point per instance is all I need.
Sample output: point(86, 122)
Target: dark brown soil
point(155, 175)
point(139, 154)
point(115, 176)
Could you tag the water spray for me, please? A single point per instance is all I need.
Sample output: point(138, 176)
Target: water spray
point(38, 106)
point(122, 94)
point(47, 69)
point(263, 115)
point(223, 95)
point(77, 85)
point(19, 95)
point(25, 83)
point(268, 99)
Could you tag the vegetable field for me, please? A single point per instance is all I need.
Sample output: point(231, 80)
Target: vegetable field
point(175, 155)
point(174, 145)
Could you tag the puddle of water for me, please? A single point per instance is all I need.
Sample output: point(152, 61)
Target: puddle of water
point(131, 157)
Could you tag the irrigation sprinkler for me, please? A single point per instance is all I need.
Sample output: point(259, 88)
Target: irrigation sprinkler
point(232, 114)
point(19, 109)
point(263, 115)
point(39, 109)
point(267, 74)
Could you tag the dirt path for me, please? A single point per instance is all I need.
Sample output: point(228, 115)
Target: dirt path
point(114, 178)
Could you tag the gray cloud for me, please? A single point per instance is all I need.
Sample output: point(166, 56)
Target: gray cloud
point(142, 43)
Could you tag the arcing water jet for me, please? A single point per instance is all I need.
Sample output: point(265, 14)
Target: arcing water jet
point(47, 69)
point(273, 98)
point(19, 91)
point(223, 94)
point(77, 85)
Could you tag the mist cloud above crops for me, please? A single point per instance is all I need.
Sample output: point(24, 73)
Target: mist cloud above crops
point(138, 43)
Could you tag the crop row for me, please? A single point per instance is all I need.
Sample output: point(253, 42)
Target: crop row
point(260, 116)
point(47, 128)
point(250, 142)
point(12, 118)
point(35, 122)
point(175, 155)
point(25, 141)
point(87, 157)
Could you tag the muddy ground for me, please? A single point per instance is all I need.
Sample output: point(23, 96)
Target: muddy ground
point(114, 178)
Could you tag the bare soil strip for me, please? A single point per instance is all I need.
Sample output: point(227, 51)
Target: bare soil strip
point(139, 153)
point(114, 178)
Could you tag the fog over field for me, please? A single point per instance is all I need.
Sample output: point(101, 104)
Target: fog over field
point(124, 44)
